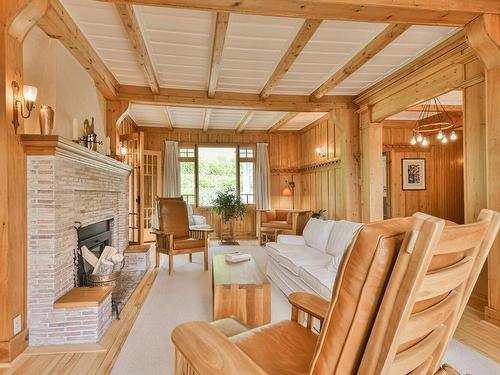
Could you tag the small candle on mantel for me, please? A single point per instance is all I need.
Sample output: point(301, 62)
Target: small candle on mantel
point(108, 146)
point(76, 132)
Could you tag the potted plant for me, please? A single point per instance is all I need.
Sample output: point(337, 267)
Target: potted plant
point(229, 207)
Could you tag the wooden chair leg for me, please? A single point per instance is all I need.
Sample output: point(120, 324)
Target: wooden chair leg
point(170, 264)
point(205, 259)
point(157, 258)
point(190, 258)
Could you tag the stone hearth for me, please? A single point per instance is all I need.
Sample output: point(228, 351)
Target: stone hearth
point(68, 183)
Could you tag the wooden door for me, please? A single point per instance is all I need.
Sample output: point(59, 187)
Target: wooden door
point(134, 142)
point(152, 189)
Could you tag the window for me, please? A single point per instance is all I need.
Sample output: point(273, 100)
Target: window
point(187, 163)
point(205, 170)
point(216, 172)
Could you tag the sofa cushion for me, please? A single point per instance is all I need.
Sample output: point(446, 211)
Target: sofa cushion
point(318, 278)
point(277, 225)
point(341, 237)
point(293, 257)
point(317, 232)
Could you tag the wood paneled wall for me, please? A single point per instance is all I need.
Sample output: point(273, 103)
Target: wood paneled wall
point(444, 194)
point(284, 159)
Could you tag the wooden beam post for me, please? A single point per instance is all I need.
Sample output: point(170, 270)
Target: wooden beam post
point(221, 23)
point(305, 33)
point(346, 121)
point(16, 20)
point(244, 121)
point(206, 118)
point(372, 207)
point(483, 35)
point(115, 113)
point(282, 122)
point(378, 43)
point(129, 20)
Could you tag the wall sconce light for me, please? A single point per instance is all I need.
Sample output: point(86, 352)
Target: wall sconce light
point(29, 94)
point(320, 152)
point(289, 190)
point(123, 150)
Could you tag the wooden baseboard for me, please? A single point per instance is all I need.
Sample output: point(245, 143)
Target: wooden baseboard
point(66, 348)
point(9, 350)
point(492, 316)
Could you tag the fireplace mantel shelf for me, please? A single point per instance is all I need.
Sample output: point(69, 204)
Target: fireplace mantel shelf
point(46, 145)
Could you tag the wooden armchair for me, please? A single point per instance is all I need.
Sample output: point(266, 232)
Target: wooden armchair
point(174, 235)
point(400, 291)
point(287, 221)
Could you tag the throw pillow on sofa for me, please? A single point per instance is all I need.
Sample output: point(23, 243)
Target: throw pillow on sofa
point(341, 237)
point(317, 232)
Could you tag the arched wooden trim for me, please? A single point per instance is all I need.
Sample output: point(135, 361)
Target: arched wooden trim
point(28, 17)
point(483, 36)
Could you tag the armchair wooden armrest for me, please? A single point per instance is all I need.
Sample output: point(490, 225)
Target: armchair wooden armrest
point(311, 304)
point(202, 349)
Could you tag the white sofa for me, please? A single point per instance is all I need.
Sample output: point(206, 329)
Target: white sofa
point(310, 262)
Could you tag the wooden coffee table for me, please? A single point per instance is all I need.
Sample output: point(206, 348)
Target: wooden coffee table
point(242, 291)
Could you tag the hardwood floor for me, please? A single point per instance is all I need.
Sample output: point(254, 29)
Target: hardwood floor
point(90, 362)
point(478, 334)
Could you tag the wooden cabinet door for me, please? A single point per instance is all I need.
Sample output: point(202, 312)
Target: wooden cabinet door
point(134, 142)
point(152, 189)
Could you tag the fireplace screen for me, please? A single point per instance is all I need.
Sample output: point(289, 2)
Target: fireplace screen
point(95, 237)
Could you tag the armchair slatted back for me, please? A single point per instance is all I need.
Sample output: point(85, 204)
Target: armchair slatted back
point(359, 288)
point(430, 285)
point(173, 214)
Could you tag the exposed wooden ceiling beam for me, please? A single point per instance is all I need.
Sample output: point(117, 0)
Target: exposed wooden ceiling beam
point(376, 45)
point(206, 118)
point(423, 12)
point(244, 121)
point(305, 33)
point(282, 122)
point(131, 25)
point(168, 120)
point(58, 24)
point(217, 49)
point(235, 100)
point(433, 108)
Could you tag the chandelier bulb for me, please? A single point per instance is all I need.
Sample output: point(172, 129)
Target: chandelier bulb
point(413, 141)
point(444, 140)
point(440, 135)
point(453, 136)
point(420, 138)
point(425, 142)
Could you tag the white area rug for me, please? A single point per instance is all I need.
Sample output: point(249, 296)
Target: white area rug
point(187, 296)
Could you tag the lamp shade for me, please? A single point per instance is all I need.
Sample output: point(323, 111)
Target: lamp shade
point(29, 93)
point(287, 191)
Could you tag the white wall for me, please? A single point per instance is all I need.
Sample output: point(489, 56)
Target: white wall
point(62, 84)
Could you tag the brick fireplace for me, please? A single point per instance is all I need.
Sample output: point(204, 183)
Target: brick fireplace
point(68, 184)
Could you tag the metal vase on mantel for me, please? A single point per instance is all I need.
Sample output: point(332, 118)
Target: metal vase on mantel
point(46, 120)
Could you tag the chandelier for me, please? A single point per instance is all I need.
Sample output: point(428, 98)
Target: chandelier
point(440, 124)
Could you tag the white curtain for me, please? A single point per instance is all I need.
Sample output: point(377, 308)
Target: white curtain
point(171, 171)
point(263, 178)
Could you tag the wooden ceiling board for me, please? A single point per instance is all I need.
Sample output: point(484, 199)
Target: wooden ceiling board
point(178, 42)
point(253, 47)
point(101, 25)
point(302, 120)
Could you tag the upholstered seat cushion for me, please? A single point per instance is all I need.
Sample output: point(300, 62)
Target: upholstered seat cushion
point(188, 243)
point(277, 225)
point(318, 278)
point(292, 257)
point(284, 348)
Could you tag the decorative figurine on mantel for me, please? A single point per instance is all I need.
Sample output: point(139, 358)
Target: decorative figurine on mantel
point(89, 139)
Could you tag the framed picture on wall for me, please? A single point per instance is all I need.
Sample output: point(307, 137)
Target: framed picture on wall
point(413, 173)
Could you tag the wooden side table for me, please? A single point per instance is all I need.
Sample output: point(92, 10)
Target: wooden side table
point(268, 234)
point(242, 291)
